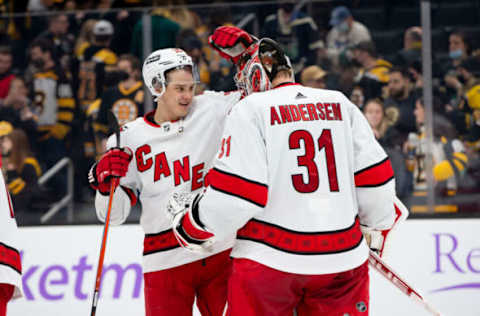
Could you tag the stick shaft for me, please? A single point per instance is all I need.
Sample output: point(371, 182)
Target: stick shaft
point(379, 264)
point(103, 247)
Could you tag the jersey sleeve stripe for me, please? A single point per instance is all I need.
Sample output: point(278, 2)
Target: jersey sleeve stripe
point(374, 175)
point(131, 195)
point(10, 257)
point(159, 242)
point(302, 243)
point(251, 191)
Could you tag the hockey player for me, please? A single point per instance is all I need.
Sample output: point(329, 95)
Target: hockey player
point(10, 262)
point(298, 173)
point(169, 150)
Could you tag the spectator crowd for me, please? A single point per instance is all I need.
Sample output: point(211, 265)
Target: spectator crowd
point(64, 64)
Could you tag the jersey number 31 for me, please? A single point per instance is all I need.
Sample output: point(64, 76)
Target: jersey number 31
point(307, 160)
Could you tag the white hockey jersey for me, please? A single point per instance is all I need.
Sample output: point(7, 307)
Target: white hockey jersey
point(298, 171)
point(10, 261)
point(171, 157)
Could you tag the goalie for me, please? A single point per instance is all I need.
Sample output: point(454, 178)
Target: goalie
point(299, 176)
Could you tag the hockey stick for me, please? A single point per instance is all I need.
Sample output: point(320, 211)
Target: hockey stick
point(113, 184)
point(378, 264)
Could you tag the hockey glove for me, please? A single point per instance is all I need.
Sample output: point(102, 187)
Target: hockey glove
point(114, 163)
point(380, 240)
point(191, 234)
point(230, 42)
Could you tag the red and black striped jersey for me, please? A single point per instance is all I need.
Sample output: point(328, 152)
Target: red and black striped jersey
point(298, 171)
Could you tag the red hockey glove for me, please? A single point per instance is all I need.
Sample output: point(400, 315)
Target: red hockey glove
point(114, 163)
point(230, 42)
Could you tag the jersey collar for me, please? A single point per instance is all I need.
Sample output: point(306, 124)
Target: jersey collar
point(150, 120)
point(283, 84)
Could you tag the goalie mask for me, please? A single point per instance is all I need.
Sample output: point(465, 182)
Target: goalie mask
point(259, 65)
point(158, 63)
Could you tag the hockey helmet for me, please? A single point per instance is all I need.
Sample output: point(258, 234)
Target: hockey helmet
point(158, 63)
point(259, 65)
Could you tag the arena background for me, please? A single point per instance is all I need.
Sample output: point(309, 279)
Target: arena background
point(424, 50)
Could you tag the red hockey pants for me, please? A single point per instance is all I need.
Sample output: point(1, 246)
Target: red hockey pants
point(255, 289)
point(6, 293)
point(173, 291)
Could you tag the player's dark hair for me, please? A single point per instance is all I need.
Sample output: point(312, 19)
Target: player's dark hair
point(169, 71)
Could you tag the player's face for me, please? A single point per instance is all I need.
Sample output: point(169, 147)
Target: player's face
point(374, 114)
point(178, 95)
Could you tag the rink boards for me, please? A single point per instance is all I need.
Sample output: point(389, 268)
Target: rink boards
point(441, 258)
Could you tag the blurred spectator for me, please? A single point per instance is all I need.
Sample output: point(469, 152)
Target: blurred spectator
point(53, 98)
point(193, 46)
point(358, 96)
point(6, 75)
point(346, 33)
point(21, 167)
point(16, 108)
point(85, 38)
point(296, 32)
point(374, 73)
point(415, 69)
point(61, 40)
point(37, 22)
point(373, 67)
point(387, 136)
point(313, 76)
point(40, 5)
point(449, 161)
point(412, 48)
point(400, 103)
point(375, 114)
point(94, 62)
point(125, 100)
point(467, 113)
point(459, 48)
point(164, 32)
point(179, 13)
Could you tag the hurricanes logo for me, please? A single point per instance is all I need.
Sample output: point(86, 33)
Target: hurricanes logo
point(125, 110)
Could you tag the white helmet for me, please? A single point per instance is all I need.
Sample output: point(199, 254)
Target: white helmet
point(159, 62)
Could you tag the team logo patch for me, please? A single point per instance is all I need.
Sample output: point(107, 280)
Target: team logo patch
point(361, 307)
point(125, 110)
point(166, 127)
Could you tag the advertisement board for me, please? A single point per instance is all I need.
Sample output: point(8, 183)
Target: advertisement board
point(440, 258)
